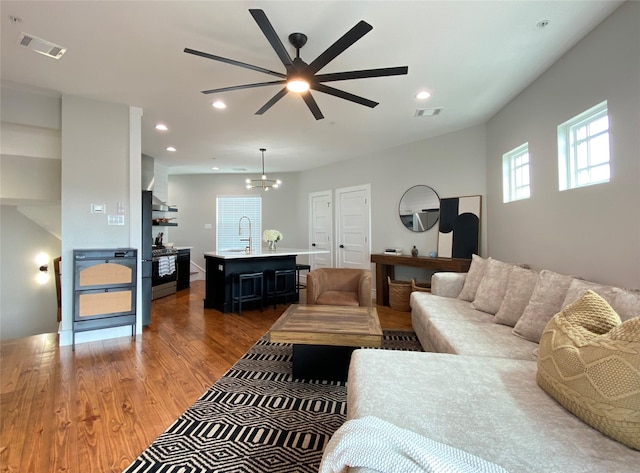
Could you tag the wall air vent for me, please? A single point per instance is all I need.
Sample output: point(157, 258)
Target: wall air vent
point(427, 112)
point(41, 46)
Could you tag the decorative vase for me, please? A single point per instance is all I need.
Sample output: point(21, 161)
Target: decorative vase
point(433, 254)
point(272, 245)
point(414, 251)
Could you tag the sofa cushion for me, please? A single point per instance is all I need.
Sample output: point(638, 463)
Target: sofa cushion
point(338, 298)
point(448, 325)
point(432, 306)
point(626, 302)
point(546, 301)
point(477, 339)
point(493, 286)
point(474, 276)
point(490, 407)
point(590, 363)
point(520, 287)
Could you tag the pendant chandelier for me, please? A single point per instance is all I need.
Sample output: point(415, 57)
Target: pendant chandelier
point(263, 182)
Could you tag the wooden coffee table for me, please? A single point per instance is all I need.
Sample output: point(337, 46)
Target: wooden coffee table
point(324, 337)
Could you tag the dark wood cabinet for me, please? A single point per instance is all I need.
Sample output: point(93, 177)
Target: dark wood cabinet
point(183, 265)
point(385, 267)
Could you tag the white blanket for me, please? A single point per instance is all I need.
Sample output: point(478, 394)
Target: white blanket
point(377, 445)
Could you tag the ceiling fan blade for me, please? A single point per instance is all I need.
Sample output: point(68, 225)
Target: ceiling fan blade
point(350, 37)
point(234, 62)
point(271, 35)
point(313, 106)
point(363, 74)
point(272, 101)
point(344, 95)
point(246, 86)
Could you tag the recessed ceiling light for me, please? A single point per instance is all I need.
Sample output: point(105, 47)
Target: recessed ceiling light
point(219, 104)
point(215, 168)
point(171, 148)
point(161, 127)
point(423, 95)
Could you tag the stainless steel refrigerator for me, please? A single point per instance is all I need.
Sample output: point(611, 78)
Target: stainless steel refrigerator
point(147, 256)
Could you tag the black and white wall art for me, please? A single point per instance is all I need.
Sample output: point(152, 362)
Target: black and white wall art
point(459, 230)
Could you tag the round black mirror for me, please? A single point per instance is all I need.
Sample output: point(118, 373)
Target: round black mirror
point(419, 208)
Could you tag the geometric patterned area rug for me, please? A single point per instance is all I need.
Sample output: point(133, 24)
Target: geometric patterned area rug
point(257, 418)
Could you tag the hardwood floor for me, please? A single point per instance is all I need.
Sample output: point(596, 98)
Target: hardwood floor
point(96, 409)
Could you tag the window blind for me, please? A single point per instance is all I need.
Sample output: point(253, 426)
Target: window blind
point(229, 229)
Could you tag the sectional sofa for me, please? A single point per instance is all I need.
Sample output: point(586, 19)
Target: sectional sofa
point(477, 390)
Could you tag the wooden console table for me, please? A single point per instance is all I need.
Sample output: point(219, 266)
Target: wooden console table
point(385, 266)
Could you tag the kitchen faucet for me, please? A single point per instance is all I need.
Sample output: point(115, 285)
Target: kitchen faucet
point(247, 248)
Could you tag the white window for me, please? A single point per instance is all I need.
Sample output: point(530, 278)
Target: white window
point(583, 149)
point(230, 230)
point(515, 174)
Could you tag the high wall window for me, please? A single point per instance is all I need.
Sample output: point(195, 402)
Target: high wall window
point(229, 229)
point(515, 174)
point(583, 149)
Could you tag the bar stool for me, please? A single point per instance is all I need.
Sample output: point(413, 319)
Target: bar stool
point(301, 267)
point(247, 287)
point(281, 283)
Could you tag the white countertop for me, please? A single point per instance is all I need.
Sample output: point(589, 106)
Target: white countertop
point(262, 252)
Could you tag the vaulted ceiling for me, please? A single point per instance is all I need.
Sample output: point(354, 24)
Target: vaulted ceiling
point(473, 57)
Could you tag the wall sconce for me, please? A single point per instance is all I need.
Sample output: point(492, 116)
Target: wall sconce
point(42, 260)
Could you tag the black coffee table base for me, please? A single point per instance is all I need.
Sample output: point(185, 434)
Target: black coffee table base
point(321, 362)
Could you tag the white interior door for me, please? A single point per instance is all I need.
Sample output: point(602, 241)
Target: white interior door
point(321, 228)
point(353, 228)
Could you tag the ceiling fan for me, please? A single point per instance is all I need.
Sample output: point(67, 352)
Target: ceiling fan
point(300, 76)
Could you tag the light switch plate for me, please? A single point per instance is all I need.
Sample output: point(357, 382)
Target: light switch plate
point(98, 208)
point(115, 219)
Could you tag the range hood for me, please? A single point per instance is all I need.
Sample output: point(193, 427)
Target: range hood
point(148, 179)
point(157, 204)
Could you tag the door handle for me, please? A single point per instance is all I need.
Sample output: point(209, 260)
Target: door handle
point(341, 246)
point(313, 244)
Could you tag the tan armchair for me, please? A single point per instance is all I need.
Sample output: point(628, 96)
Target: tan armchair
point(339, 286)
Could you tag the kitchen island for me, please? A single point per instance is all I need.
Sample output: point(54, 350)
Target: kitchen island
point(222, 265)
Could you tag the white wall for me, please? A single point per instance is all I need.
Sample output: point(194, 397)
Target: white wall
point(453, 165)
point(96, 169)
point(27, 306)
point(195, 196)
point(29, 184)
point(592, 232)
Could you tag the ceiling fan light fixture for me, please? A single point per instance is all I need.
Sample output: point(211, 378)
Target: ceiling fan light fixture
point(298, 85)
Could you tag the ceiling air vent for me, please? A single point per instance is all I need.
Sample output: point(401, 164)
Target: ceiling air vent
point(427, 112)
point(41, 46)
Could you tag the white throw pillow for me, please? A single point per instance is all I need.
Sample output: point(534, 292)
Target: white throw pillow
point(493, 286)
point(626, 302)
point(546, 301)
point(520, 287)
point(474, 276)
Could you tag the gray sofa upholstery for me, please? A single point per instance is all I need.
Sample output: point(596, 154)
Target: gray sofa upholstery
point(475, 389)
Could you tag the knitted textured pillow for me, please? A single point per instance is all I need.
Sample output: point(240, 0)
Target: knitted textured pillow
point(589, 362)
